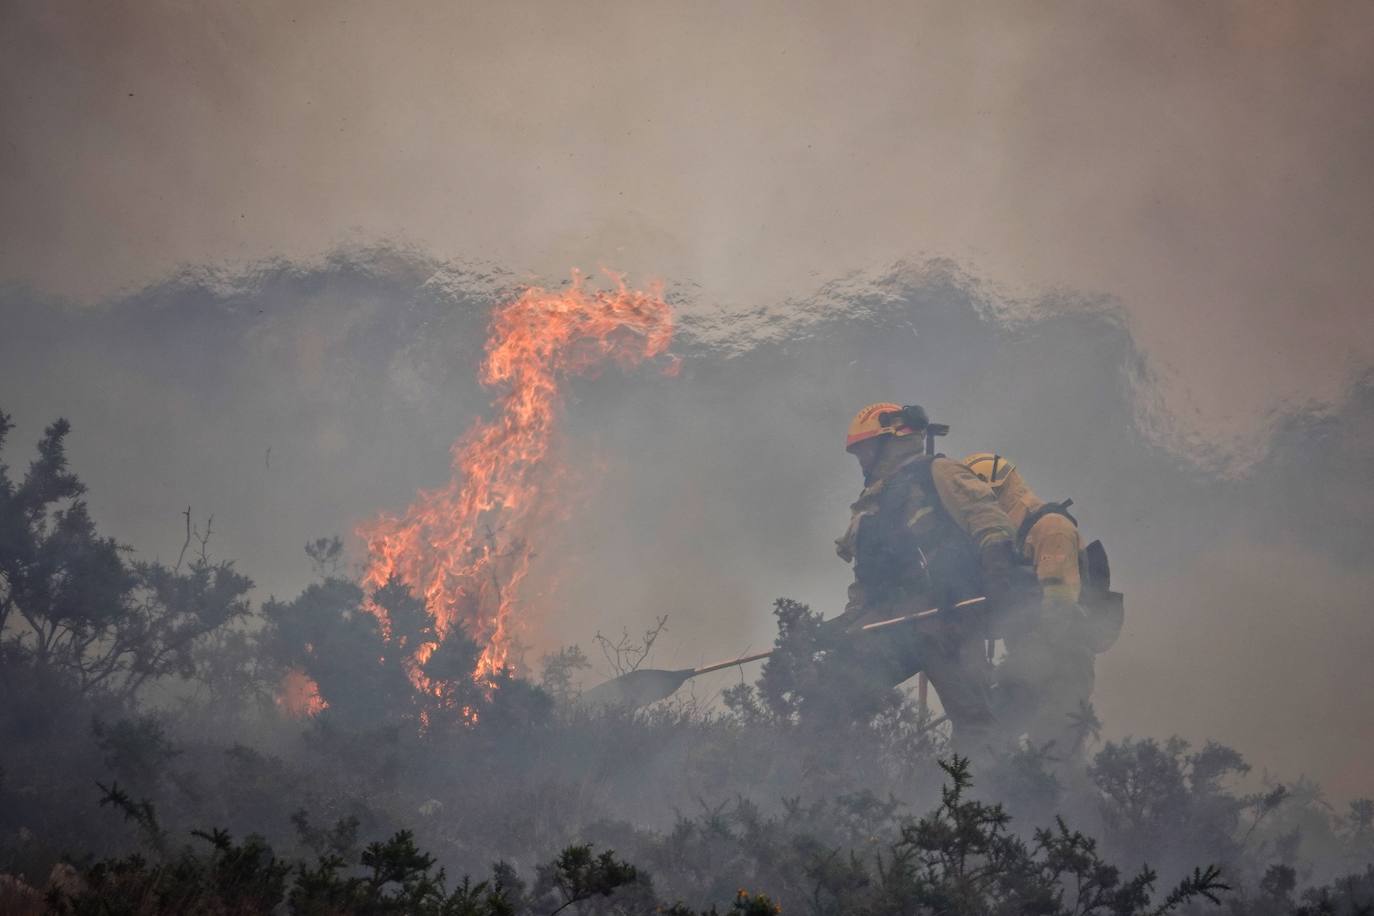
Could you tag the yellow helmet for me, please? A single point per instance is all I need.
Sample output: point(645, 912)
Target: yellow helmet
point(992, 469)
point(884, 419)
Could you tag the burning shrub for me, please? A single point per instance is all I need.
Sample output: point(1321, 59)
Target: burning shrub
point(466, 547)
point(330, 646)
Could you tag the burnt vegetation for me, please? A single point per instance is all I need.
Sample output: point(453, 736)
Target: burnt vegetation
point(149, 763)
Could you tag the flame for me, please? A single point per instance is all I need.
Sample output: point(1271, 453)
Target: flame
point(465, 548)
point(299, 696)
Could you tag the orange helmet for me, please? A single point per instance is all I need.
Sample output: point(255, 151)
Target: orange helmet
point(884, 420)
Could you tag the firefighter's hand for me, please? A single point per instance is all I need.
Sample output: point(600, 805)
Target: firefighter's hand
point(836, 628)
point(1006, 595)
point(1008, 585)
point(1025, 586)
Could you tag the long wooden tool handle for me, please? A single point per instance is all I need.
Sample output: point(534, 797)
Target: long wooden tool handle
point(920, 615)
point(717, 666)
point(877, 625)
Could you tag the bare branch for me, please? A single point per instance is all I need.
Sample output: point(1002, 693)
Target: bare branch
point(187, 543)
point(624, 654)
point(205, 540)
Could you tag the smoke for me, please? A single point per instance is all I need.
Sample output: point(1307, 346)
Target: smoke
point(297, 399)
point(1206, 165)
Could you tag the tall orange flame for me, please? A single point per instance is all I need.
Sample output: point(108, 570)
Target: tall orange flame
point(466, 547)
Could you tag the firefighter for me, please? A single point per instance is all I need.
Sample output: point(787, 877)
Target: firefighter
point(926, 532)
point(1046, 679)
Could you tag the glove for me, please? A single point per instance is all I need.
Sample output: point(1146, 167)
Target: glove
point(1007, 584)
point(835, 628)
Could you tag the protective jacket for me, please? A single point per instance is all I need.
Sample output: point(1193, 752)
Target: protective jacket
point(922, 534)
point(1048, 673)
point(1047, 538)
point(916, 535)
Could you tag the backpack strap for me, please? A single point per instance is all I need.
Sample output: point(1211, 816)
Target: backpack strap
point(1060, 508)
point(918, 471)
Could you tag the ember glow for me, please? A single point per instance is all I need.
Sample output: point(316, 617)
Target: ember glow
point(299, 696)
point(466, 546)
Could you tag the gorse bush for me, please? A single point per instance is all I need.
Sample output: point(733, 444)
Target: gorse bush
point(73, 608)
point(960, 859)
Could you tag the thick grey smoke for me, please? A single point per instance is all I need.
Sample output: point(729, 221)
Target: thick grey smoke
point(297, 400)
point(1204, 164)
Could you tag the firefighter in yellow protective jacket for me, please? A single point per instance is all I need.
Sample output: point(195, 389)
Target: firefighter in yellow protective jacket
point(1046, 679)
point(926, 532)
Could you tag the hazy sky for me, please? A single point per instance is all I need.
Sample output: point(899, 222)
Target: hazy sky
point(1207, 164)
